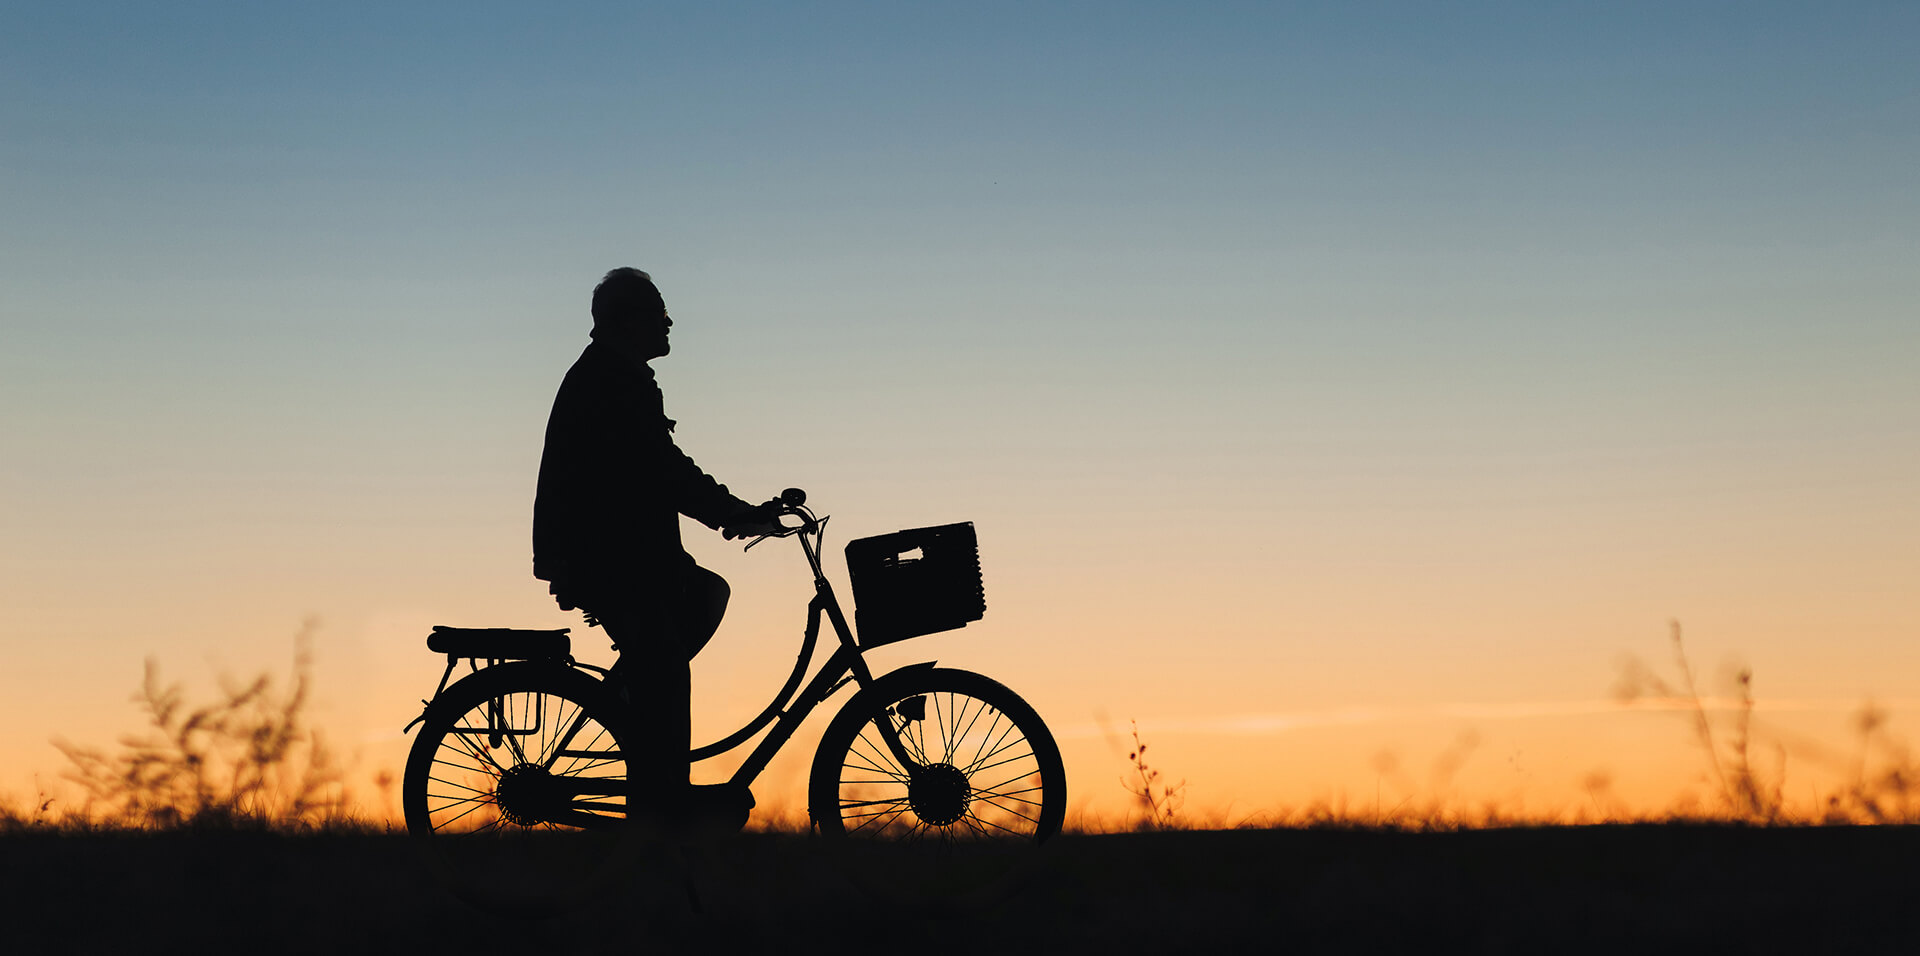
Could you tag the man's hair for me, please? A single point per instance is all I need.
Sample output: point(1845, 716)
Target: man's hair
point(622, 293)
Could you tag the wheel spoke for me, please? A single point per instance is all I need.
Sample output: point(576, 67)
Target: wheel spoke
point(477, 804)
point(1001, 763)
point(977, 829)
point(449, 802)
point(880, 760)
point(470, 769)
point(462, 786)
point(945, 719)
point(574, 765)
point(987, 787)
point(468, 745)
point(891, 807)
point(548, 805)
point(974, 722)
point(851, 804)
point(872, 818)
point(989, 801)
point(550, 747)
point(984, 793)
point(979, 820)
point(510, 740)
point(999, 743)
point(918, 831)
point(917, 737)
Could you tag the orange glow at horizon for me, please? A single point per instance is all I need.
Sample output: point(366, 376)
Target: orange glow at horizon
point(1346, 399)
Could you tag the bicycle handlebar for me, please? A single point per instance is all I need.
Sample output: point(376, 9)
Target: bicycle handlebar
point(792, 501)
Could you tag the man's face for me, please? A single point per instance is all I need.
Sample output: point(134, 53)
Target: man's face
point(651, 327)
point(643, 335)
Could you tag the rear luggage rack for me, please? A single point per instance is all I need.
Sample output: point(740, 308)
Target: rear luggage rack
point(501, 643)
point(493, 645)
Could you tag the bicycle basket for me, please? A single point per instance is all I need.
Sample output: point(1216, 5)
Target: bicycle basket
point(915, 582)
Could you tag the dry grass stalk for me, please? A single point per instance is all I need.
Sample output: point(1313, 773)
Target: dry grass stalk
point(1160, 802)
point(1744, 794)
point(249, 759)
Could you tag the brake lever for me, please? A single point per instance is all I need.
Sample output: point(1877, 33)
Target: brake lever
point(784, 532)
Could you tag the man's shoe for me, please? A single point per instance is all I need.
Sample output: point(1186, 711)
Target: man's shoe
point(716, 809)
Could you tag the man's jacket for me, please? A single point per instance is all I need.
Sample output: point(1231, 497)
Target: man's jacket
point(613, 484)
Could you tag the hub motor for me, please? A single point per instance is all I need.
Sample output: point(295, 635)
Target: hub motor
point(939, 794)
point(527, 796)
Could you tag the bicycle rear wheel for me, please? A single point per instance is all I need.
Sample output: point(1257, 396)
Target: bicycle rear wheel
point(517, 790)
point(937, 783)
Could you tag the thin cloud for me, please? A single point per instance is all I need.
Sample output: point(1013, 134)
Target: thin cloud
point(1261, 724)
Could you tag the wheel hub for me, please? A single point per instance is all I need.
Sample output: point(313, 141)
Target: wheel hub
point(526, 795)
point(939, 794)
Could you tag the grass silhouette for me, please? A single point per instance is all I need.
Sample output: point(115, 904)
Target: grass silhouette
point(1160, 802)
point(248, 759)
point(1883, 778)
point(251, 758)
point(1745, 795)
point(238, 801)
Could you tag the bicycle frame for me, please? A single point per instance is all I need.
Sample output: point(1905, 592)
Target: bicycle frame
point(847, 662)
point(950, 776)
point(785, 714)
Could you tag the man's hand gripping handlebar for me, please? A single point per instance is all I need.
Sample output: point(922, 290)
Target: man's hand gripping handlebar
point(764, 522)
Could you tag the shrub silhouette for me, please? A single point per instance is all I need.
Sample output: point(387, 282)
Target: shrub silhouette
point(251, 759)
point(248, 759)
point(1877, 794)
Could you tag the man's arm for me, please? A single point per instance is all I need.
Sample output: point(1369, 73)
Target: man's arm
point(698, 495)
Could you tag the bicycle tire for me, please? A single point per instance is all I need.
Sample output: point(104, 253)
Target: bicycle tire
point(988, 789)
point(531, 821)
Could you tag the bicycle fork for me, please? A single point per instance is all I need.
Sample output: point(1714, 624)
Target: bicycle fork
point(908, 711)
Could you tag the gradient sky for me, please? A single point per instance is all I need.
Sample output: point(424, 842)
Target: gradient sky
point(1337, 388)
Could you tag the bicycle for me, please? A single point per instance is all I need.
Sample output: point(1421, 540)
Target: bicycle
point(933, 781)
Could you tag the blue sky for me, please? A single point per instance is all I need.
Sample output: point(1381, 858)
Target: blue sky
point(1351, 324)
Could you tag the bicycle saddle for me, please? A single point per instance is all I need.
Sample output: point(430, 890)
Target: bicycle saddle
point(501, 643)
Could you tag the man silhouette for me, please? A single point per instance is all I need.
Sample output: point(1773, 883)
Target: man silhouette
point(606, 528)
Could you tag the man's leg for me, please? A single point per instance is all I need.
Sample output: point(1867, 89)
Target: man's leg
point(654, 673)
point(703, 602)
point(657, 640)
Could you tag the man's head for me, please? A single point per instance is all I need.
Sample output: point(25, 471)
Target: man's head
point(628, 312)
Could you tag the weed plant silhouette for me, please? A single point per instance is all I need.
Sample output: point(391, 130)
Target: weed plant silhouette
point(1877, 795)
point(15, 820)
point(1743, 793)
point(1881, 790)
point(1160, 802)
point(251, 759)
point(1883, 784)
point(248, 759)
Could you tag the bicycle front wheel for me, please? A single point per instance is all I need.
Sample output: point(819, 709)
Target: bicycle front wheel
point(938, 782)
point(517, 790)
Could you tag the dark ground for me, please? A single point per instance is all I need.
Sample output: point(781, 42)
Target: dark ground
point(1615, 889)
